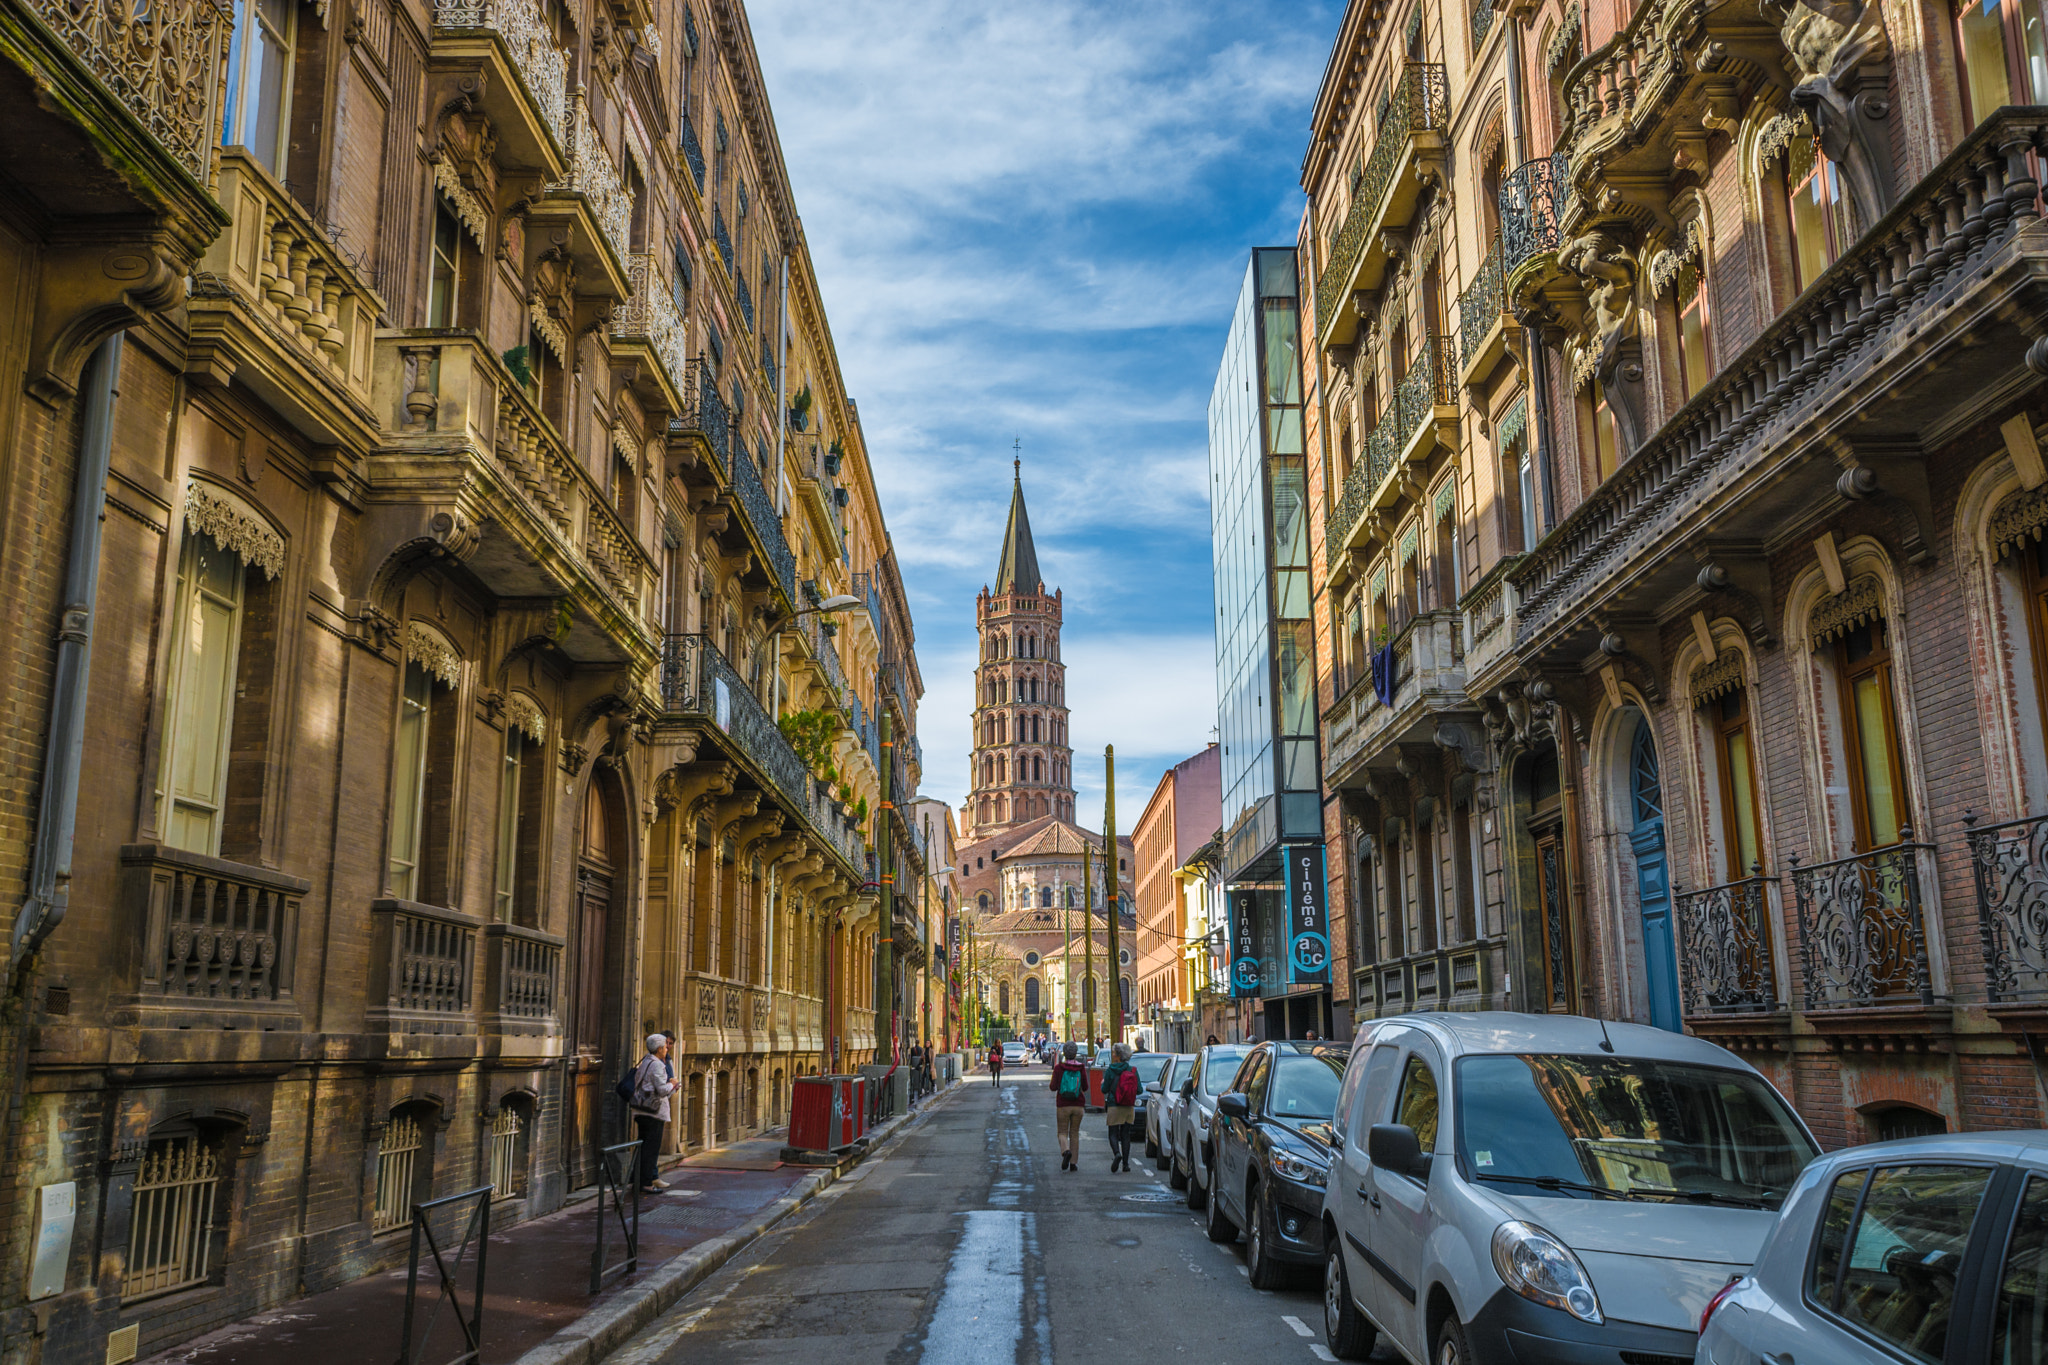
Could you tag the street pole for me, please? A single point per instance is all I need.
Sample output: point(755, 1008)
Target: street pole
point(925, 899)
point(1067, 962)
point(1110, 870)
point(1087, 938)
point(885, 947)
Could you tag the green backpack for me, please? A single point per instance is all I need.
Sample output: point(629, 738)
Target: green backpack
point(1073, 1082)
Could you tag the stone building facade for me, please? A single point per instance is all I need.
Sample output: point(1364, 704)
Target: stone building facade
point(1705, 595)
point(459, 532)
point(1174, 913)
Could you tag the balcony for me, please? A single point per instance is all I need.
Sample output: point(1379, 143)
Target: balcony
point(1429, 683)
point(722, 239)
point(1455, 978)
point(1862, 939)
point(277, 307)
point(764, 523)
point(820, 495)
point(693, 152)
point(1532, 201)
point(649, 323)
point(704, 420)
point(1480, 314)
point(1724, 948)
point(217, 936)
point(491, 478)
point(522, 980)
point(746, 294)
point(1410, 137)
point(1421, 414)
point(1826, 407)
point(697, 682)
point(1490, 627)
point(590, 202)
point(524, 82)
point(2010, 866)
point(422, 963)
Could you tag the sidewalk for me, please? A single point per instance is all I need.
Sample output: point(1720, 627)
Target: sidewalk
point(539, 1271)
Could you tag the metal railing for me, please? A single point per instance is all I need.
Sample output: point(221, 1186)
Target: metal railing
point(693, 152)
point(170, 1230)
point(1531, 202)
point(398, 1150)
point(708, 416)
point(696, 679)
point(721, 237)
point(766, 521)
point(651, 314)
point(608, 1182)
point(592, 175)
point(161, 61)
point(1482, 24)
point(1418, 103)
point(1432, 381)
point(2010, 865)
point(1724, 945)
point(1479, 307)
point(1862, 940)
point(746, 296)
point(541, 66)
point(477, 1233)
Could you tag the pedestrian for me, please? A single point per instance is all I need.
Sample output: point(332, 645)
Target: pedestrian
point(1311, 1036)
point(995, 1062)
point(1070, 1102)
point(1211, 1042)
point(653, 1083)
point(1120, 1099)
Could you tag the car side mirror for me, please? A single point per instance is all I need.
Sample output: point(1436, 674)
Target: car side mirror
point(1394, 1147)
point(1233, 1105)
point(1155, 1088)
point(1187, 1090)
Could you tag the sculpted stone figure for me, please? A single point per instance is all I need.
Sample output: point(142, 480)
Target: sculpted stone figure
point(1603, 263)
point(1827, 42)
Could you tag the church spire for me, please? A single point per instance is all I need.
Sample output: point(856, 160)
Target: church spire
point(1017, 571)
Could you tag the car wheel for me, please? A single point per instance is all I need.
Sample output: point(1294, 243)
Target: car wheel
point(1219, 1227)
point(1198, 1198)
point(1351, 1336)
point(1176, 1177)
point(1451, 1346)
point(1265, 1272)
point(1151, 1147)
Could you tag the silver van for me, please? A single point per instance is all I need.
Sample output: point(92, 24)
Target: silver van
point(1512, 1188)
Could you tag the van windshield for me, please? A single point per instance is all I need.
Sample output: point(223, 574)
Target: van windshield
point(1627, 1128)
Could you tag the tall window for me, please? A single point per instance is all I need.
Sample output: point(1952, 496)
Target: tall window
point(1819, 216)
point(444, 271)
point(1737, 764)
point(1602, 438)
point(409, 780)
point(260, 80)
point(200, 713)
point(1695, 359)
point(1877, 778)
point(2033, 558)
point(2003, 55)
point(511, 781)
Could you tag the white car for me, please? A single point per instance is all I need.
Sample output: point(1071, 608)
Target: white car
point(1215, 1066)
point(1163, 1095)
point(1515, 1187)
point(1015, 1053)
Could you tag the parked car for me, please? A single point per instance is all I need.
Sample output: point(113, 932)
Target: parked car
point(1149, 1066)
point(1932, 1249)
point(1163, 1096)
point(1271, 1152)
point(1015, 1053)
point(1215, 1067)
point(1578, 1188)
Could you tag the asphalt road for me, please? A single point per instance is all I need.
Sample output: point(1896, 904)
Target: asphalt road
point(965, 1242)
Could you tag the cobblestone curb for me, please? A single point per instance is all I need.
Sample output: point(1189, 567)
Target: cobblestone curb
point(604, 1330)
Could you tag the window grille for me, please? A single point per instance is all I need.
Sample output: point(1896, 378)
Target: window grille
point(505, 1154)
point(169, 1234)
point(396, 1156)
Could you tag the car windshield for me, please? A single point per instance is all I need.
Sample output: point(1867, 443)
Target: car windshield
point(1221, 1066)
point(1305, 1087)
point(1627, 1127)
point(1148, 1065)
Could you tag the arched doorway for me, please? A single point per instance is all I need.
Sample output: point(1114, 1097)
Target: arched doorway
point(1653, 883)
point(597, 965)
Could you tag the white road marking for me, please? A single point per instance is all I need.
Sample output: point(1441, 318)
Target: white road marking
point(1246, 1273)
point(980, 1314)
point(1301, 1329)
point(1322, 1352)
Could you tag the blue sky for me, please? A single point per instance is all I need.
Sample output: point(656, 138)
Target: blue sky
point(1030, 222)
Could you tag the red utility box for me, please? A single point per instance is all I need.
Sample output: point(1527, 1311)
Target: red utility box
point(826, 1112)
point(1095, 1087)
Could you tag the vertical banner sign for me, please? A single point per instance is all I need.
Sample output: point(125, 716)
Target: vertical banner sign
point(1244, 945)
point(1272, 942)
point(1308, 915)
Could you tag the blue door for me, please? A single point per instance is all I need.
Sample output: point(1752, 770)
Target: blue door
point(1653, 885)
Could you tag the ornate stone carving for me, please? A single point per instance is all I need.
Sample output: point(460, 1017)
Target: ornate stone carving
point(467, 206)
point(2020, 518)
point(522, 713)
point(1861, 601)
point(425, 646)
point(234, 527)
point(1711, 680)
point(1828, 41)
point(574, 756)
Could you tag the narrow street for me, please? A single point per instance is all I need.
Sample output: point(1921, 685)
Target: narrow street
point(966, 1242)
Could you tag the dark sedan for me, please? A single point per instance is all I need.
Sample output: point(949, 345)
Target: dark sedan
point(1273, 1148)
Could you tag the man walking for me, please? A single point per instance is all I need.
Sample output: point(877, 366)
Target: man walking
point(1070, 1102)
point(653, 1083)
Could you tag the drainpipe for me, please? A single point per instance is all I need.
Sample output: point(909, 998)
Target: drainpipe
point(782, 384)
point(49, 888)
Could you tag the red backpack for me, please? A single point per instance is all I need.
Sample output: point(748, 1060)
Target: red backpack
point(1127, 1087)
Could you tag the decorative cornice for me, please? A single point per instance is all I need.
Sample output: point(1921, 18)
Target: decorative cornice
point(525, 716)
point(1562, 42)
point(425, 647)
point(1668, 264)
point(1514, 424)
point(1446, 499)
point(1777, 135)
point(2020, 518)
point(468, 207)
point(1861, 601)
point(209, 511)
point(1711, 680)
point(549, 329)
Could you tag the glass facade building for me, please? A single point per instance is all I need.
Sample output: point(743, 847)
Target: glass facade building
point(1265, 637)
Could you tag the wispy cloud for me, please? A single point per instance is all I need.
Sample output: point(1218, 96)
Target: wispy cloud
point(1031, 222)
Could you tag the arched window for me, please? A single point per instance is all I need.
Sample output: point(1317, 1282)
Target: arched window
point(982, 900)
point(1821, 230)
point(1003, 997)
point(405, 1160)
point(1045, 897)
point(1031, 999)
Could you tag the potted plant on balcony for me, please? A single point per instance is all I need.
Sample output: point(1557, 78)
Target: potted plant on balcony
point(835, 456)
point(800, 409)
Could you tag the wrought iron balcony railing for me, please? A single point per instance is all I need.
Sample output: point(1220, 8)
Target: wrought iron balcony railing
point(721, 237)
point(766, 521)
point(1479, 307)
point(650, 315)
point(1724, 945)
point(2010, 862)
point(524, 30)
point(592, 175)
point(746, 297)
point(1482, 24)
point(1862, 940)
point(1431, 382)
point(1531, 202)
point(693, 152)
point(1418, 103)
point(707, 414)
point(161, 61)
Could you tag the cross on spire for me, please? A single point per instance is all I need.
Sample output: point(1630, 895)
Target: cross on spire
point(1017, 459)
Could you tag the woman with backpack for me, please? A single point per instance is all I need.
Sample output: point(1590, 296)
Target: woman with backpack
point(653, 1082)
point(1120, 1099)
point(1070, 1102)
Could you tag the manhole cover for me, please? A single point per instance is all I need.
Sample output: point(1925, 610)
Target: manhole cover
point(1162, 1197)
